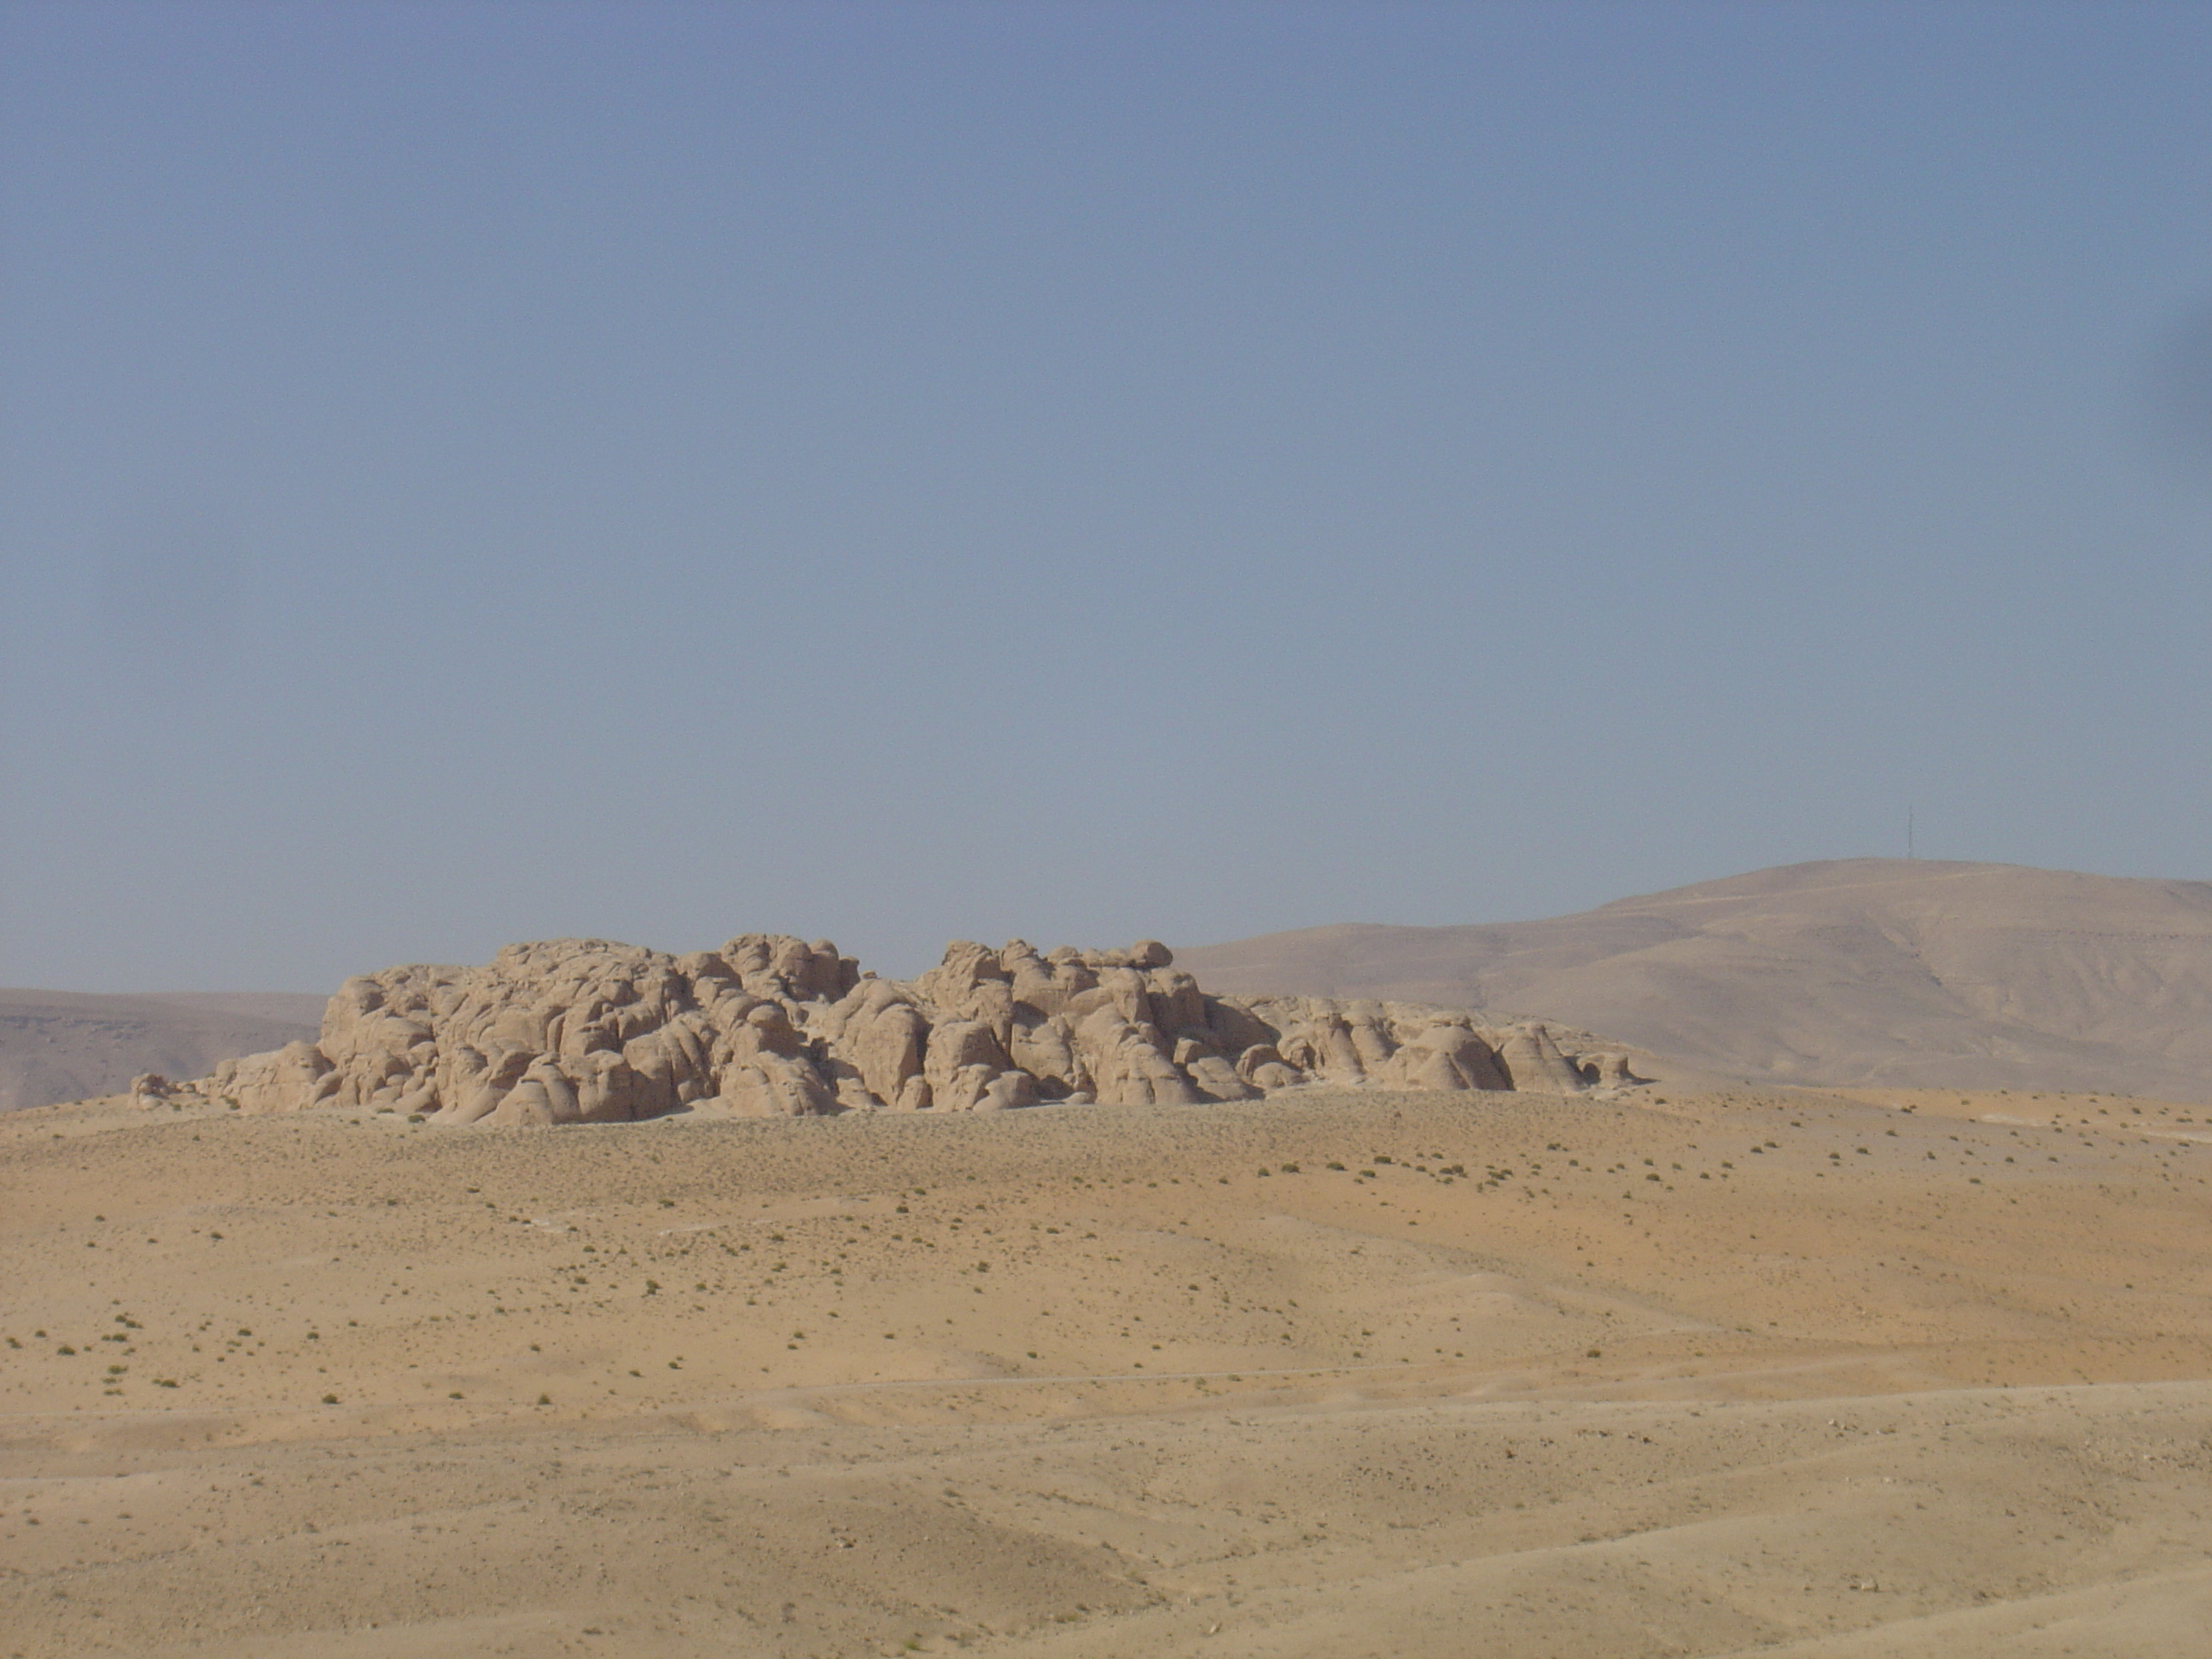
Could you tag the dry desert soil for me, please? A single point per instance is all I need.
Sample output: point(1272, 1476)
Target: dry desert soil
point(1333, 1374)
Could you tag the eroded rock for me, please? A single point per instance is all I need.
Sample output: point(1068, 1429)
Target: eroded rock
point(588, 1031)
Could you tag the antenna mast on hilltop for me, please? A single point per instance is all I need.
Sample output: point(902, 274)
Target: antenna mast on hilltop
point(1908, 833)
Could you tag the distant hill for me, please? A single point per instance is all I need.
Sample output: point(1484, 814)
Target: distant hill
point(1865, 971)
point(67, 1045)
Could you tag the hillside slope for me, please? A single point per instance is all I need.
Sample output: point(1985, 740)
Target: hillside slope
point(67, 1045)
point(1864, 971)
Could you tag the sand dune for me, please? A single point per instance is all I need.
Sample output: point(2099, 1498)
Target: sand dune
point(1326, 1374)
point(67, 1045)
point(1865, 971)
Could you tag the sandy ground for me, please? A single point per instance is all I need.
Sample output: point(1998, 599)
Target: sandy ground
point(1333, 1375)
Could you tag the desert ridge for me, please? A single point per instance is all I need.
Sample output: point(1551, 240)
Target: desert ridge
point(1918, 973)
point(585, 1030)
point(67, 1045)
point(1866, 972)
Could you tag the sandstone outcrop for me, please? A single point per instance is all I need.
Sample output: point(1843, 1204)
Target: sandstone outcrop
point(587, 1031)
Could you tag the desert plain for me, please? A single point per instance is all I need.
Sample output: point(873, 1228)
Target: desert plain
point(1340, 1372)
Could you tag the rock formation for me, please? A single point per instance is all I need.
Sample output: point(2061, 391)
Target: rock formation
point(586, 1031)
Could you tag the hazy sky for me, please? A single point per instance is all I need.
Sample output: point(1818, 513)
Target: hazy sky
point(895, 473)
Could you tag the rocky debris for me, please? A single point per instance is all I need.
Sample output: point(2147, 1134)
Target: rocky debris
point(587, 1031)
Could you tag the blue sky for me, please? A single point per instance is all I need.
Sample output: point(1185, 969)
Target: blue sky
point(908, 472)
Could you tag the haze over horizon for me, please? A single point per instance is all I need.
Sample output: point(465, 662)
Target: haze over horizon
point(894, 472)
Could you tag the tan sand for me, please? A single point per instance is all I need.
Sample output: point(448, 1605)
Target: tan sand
point(1795, 1373)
